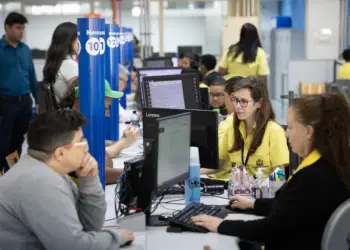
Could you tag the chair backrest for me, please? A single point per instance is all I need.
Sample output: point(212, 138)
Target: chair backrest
point(312, 88)
point(337, 232)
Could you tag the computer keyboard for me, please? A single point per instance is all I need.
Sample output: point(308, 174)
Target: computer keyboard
point(183, 218)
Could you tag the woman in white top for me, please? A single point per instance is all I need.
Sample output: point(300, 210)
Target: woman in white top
point(60, 68)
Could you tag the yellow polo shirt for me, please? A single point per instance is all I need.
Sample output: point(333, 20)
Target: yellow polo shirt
point(235, 67)
point(344, 71)
point(203, 85)
point(272, 152)
point(225, 172)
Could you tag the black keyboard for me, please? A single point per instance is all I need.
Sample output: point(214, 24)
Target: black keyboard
point(183, 218)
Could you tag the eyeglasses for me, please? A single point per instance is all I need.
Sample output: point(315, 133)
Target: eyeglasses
point(242, 102)
point(217, 95)
point(82, 143)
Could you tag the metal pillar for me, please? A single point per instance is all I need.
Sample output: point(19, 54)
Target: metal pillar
point(161, 27)
point(145, 29)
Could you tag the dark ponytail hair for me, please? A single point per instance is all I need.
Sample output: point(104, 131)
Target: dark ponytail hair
point(263, 115)
point(248, 44)
point(61, 47)
point(329, 115)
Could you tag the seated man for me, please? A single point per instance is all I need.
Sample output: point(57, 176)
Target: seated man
point(207, 65)
point(40, 207)
point(129, 137)
point(217, 94)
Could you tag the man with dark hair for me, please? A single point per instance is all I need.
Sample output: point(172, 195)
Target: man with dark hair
point(40, 206)
point(17, 82)
point(207, 64)
point(217, 96)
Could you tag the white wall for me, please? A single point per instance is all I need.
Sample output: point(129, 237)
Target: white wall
point(321, 17)
point(178, 30)
point(182, 29)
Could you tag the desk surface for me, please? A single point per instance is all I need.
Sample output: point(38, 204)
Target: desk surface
point(156, 238)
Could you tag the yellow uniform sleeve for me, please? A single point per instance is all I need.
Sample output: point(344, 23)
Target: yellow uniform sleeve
point(223, 140)
point(263, 66)
point(224, 60)
point(279, 153)
point(203, 85)
point(344, 71)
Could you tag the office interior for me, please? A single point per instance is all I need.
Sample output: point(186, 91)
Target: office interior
point(303, 41)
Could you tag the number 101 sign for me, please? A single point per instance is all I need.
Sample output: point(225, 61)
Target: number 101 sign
point(95, 46)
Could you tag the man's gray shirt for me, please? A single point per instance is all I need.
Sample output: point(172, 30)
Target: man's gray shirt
point(39, 209)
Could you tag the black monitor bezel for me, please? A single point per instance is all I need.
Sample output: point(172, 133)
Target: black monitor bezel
point(157, 59)
point(181, 77)
point(178, 178)
point(163, 112)
point(140, 86)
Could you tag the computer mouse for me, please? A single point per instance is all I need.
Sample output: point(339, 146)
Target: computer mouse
point(128, 243)
point(235, 210)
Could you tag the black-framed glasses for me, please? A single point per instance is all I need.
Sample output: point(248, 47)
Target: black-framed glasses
point(243, 102)
point(217, 95)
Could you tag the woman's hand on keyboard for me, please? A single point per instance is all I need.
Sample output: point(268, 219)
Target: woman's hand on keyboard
point(209, 222)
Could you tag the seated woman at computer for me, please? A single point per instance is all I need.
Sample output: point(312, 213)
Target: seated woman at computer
point(319, 132)
point(254, 139)
point(129, 136)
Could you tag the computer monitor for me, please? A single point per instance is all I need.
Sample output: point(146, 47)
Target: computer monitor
point(174, 134)
point(189, 50)
point(205, 98)
point(176, 91)
point(142, 72)
point(167, 160)
point(157, 62)
point(204, 131)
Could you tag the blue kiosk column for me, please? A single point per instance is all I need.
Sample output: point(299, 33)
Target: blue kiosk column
point(124, 59)
point(91, 32)
point(112, 76)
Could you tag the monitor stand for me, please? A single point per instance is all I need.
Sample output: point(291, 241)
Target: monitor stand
point(154, 221)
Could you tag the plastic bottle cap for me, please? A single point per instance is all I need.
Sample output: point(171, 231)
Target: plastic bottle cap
point(134, 112)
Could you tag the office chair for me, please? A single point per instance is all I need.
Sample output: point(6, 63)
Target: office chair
point(337, 232)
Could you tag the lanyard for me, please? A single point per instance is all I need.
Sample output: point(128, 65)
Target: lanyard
point(244, 163)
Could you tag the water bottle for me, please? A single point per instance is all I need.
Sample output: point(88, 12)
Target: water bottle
point(257, 185)
point(193, 183)
point(134, 119)
point(261, 185)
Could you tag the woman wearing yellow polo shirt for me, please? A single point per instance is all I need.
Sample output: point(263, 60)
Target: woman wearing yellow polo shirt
point(319, 132)
point(254, 140)
point(245, 58)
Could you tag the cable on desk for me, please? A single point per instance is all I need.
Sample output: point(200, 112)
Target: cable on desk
point(162, 205)
point(175, 200)
point(110, 219)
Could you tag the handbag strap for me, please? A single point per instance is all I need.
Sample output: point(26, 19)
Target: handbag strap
point(53, 97)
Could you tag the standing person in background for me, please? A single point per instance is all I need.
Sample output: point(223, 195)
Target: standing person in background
point(17, 82)
point(61, 69)
point(245, 58)
point(207, 64)
point(344, 70)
